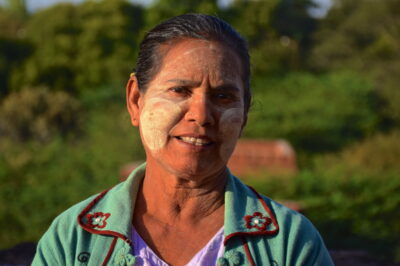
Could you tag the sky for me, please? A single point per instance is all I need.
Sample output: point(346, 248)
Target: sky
point(37, 4)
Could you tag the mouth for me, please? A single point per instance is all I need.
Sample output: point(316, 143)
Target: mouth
point(197, 141)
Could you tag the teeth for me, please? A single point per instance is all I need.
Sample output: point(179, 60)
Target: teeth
point(195, 141)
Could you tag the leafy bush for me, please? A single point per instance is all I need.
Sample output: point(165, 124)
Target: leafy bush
point(352, 196)
point(363, 36)
point(41, 180)
point(13, 52)
point(377, 154)
point(271, 49)
point(77, 49)
point(351, 211)
point(37, 114)
point(315, 113)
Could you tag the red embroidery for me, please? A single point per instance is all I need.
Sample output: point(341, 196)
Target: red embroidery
point(97, 219)
point(257, 220)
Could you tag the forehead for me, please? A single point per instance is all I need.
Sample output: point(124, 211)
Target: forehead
point(193, 58)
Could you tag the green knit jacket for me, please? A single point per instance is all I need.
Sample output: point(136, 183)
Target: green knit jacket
point(257, 230)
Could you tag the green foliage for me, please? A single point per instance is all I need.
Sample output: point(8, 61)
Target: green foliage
point(12, 54)
point(11, 26)
point(315, 113)
point(364, 36)
point(257, 16)
point(53, 33)
point(161, 10)
point(271, 52)
point(351, 196)
point(13, 50)
point(357, 33)
point(107, 47)
point(17, 8)
point(33, 175)
point(88, 50)
point(44, 115)
point(78, 49)
point(291, 19)
point(376, 154)
point(75, 49)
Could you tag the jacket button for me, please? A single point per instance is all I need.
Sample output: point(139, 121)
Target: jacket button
point(234, 257)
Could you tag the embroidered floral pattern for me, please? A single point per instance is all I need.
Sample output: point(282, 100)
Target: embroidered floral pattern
point(124, 258)
point(257, 220)
point(234, 258)
point(97, 219)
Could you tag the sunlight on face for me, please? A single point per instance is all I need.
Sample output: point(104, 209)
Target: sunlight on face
point(194, 107)
point(158, 116)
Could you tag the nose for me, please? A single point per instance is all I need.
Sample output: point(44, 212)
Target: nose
point(200, 111)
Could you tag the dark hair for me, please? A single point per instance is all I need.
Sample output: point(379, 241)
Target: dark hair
point(197, 26)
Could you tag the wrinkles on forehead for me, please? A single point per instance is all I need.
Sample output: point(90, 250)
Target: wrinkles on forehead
point(212, 59)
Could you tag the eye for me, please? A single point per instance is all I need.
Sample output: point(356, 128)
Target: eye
point(179, 91)
point(224, 97)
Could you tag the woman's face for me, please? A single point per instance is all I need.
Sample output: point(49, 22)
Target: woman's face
point(192, 112)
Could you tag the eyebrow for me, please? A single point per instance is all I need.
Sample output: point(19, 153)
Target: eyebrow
point(185, 82)
point(228, 87)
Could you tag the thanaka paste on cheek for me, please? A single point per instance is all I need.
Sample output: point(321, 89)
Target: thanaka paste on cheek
point(157, 119)
point(230, 125)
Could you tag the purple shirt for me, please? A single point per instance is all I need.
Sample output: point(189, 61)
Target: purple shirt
point(208, 255)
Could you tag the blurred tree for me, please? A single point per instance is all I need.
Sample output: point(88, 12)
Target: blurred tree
point(44, 115)
point(253, 19)
point(53, 32)
point(11, 26)
point(76, 48)
point(13, 48)
point(379, 153)
point(364, 35)
point(12, 53)
point(17, 7)
point(276, 32)
point(315, 113)
point(107, 48)
point(163, 9)
point(292, 20)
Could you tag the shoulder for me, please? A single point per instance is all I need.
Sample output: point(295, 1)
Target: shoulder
point(111, 200)
point(52, 247)
point(59, 243)
point(289, 237)
point(298, 235)
point(288, 219)
point(68, 219)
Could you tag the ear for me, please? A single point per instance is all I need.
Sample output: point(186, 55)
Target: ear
point(133, 100)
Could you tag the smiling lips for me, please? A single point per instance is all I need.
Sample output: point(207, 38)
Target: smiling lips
point(202, 141)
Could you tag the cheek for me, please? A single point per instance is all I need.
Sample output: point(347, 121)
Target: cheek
point(156, 120)
point(230, 126)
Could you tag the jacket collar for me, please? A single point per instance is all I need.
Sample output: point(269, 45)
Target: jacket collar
point(110, 213)
point(246, 212)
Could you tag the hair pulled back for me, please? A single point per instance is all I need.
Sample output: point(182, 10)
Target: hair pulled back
point(196, 26)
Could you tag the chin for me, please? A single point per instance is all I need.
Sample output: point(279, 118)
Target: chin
point(192, 169)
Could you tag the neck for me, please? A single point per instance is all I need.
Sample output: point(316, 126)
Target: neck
point(171, 198)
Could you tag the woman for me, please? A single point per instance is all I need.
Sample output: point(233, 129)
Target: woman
point(189, 98)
